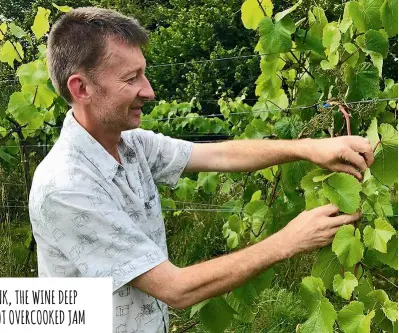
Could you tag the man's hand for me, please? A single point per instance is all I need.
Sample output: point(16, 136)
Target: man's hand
point(350, 154)
point(314, 229)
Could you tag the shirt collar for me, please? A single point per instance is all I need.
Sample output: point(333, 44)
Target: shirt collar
point(77, 136)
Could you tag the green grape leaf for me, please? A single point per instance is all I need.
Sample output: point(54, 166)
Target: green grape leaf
point(257, 209)
point(16, 101)
point(257, 195)
point(372, 133)
point(352, 55)
point(226, 187)
point(231, 207)
point(326, 266)
point(276, 38)
point(242, 298)
point(232, 240)
point(365, 14)
point(41, 95)
point(385, 166)
point(320, 311)
point(348, 246)
point(41, 24)
point(16, 30)
point(345, 286)
point(7, 157)
point(8, 53)
point(377, 61)
point(346, 20)
point(264, 280)
point(331, 37)
point(244, 312)
point(377, 42)
point(235, 223)
point(216, 315)
point(197, 307)
point(257, 129)
point(307, 91)
point(363, 289)
point(252, 13)
point(3, 30)
point(284, 13)
point(292, 174)
point(343, 191)
point(185, 188)
point(378, 296)
point(168, 203)
point(64, 9)
point(289, 127)
point(314, 39)
point(308, 183)
point(226, 230)
point(378, 202)
point(352, 320)
point(391, 257)
point(389, 16)
point(363, 82)
point(268, 84)
point(378, 238)
point(317, 15)
point(33, 73)
point(208, 181)
point(390, 310)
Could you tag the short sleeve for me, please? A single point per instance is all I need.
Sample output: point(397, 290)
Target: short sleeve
point(99, 239)
point(166, 157)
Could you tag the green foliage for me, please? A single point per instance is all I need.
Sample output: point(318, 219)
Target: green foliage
point(314, 54)
point(345, 286)
point(352, 320)
point(320, 311)
point(348, 246)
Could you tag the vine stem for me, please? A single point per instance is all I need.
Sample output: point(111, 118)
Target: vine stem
point(303, 67)
point(4, 37)
point(261, 7)
point(347, 118)
point(343, 61)
point(381, 276)
point(189, 327)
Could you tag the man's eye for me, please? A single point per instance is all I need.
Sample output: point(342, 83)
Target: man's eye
point(132, 79)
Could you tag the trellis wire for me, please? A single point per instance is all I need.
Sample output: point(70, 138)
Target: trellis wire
point(247, 112)
point(226, 210)
point(195, 62)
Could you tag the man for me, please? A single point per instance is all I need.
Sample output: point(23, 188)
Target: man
point(94, 204)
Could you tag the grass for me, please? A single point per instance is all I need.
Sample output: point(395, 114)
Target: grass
point(14, 248)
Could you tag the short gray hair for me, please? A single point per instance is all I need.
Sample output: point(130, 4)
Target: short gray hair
point(78, 41)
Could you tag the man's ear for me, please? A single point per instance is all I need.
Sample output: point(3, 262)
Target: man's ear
point(80, 88)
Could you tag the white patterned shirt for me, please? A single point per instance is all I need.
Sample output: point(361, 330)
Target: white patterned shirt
point(94, 217)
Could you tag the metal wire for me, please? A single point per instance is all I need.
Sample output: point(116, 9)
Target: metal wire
point(211, 60)
point(193, 62)
point(244, 112)
point(220, 210)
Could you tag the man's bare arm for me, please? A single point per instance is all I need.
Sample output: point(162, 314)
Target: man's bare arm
point(183, 287)
point(350, 154)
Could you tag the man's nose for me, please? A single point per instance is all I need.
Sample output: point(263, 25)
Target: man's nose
point(146, 92)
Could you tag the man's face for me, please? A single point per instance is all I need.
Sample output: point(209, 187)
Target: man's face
point(121, 88)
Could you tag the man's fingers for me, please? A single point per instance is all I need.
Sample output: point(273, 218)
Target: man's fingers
point(350, 170)
point(369, 157)
point(327, 210)
point(356, 160)
point(363, 146)
point(338, 221)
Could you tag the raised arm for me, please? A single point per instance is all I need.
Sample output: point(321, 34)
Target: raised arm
point(183, 287)
point(347, 154)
